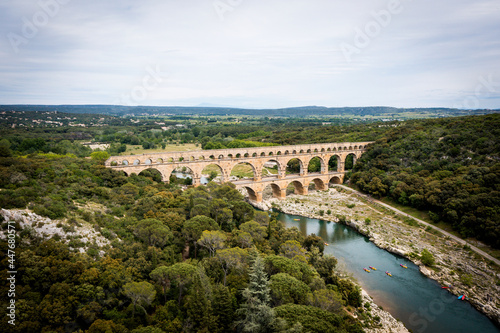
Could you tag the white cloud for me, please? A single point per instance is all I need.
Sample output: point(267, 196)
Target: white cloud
point(275, 53)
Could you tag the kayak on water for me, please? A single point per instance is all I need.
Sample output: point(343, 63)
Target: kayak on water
point(404, 266)
point(371, 267)
point(388, 273)
point(366, 270)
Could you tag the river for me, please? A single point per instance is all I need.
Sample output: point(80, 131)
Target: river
point(419, 302)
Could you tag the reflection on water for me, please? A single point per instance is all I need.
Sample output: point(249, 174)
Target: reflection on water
point(419, 302)
point(203, 180)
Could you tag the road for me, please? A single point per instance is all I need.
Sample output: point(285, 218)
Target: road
point(458, 239)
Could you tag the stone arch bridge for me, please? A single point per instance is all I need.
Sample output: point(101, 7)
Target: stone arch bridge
point(227, 159)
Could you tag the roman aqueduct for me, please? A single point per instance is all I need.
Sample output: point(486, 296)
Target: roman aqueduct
point(227, 159)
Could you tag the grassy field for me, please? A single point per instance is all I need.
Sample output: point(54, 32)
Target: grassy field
point(137, 149)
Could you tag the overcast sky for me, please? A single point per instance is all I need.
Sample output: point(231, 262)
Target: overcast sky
point(259, 53)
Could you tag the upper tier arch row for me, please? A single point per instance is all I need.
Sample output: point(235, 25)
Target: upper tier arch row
point(237, 153)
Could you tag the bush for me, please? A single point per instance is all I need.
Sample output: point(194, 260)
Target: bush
point(427, 258)
point(466, 279)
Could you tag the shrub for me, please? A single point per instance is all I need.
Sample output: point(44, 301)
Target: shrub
point(427, 258)
point(466, 279)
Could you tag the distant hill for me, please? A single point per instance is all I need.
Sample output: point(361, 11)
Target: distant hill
point(303, 111)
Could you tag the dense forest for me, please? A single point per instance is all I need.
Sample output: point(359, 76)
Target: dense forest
point(449, 167)
point(198, 260)
point(202, 259)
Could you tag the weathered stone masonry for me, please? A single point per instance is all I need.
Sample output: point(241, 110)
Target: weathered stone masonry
point(227, 159)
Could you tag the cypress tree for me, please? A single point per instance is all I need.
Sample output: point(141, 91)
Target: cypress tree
point(258, 316)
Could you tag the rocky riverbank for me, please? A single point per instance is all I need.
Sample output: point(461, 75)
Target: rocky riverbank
point(455, 265)
point(388, 324)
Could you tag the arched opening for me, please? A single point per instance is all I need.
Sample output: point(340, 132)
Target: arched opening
point(329, 149)
point(315, 165)
point(309, 151)
point(221, 157)
point(317, 184)
point(154, 174)
point(254, 155)
point(124, 162)
point(333, 163)
point(192, 158)
point(137, 162)
point(159, 160)
point(286, 152)
point(212, 173)
point(230, 155)
point(114, 163)
point(212, 157)
point(243, 171)
point(316, 150)
point(201, 158)
point(278, 153)
point(350, 160)
point(251, 193)
point(148, 161)
point(301, 151)
point(335, 180)
point(294, 167)
point(270, 153)
point(246, 155)
point(295, 187)
point(182, 175)
point(271, 168)
point(262, 154)
point(294, 152)
point(322, 150)
point(170, 160)
point(271, 190)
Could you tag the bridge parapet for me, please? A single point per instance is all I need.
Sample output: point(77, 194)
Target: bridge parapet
point(237, 153)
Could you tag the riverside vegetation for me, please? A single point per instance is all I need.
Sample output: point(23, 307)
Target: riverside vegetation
point(448, 168)
point(198, 260)
point(438, 256)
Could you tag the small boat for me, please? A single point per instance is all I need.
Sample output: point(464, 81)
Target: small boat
point(366, 270)
point(296, 219)
point(373, 268)
point(326, 244)
point(462, 297)
point(388, 273)
point(444, 287)
point(404, 266)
